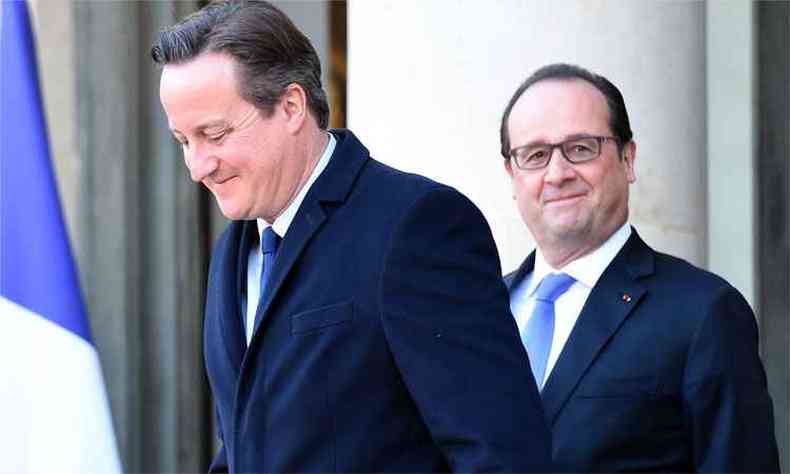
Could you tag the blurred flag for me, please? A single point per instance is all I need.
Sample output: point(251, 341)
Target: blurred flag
point(54, 415)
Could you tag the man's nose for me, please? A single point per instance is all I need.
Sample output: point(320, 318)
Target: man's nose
point(199, 163)
point(559, 169)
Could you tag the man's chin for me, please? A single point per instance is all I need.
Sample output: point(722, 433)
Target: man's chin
point(234, 213)
point(566, 220)
point(568, 229)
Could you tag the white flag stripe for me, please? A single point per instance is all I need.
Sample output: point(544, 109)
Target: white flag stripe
point(52, 393)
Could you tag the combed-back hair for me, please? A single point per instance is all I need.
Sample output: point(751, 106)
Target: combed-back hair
point(270, 52)
point(618, 115)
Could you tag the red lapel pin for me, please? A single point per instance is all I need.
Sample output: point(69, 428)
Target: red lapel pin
point(626, 297)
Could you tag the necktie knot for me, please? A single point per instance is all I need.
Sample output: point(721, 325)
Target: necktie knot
point(552, 286)
point(269, 241)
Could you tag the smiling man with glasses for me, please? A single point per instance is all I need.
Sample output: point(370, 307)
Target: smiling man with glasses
point(644, 362)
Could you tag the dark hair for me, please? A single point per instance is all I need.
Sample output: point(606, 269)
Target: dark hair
point(271, 53)
point(618, 115)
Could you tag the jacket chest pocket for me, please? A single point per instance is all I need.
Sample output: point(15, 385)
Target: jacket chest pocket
point(631, 405)
point(322, 319)
point(621, 387)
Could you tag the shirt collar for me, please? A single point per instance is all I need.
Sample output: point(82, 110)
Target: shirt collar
point(586, 269)
point(283, 222)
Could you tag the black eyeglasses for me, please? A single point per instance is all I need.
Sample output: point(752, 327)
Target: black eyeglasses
point(576, 150)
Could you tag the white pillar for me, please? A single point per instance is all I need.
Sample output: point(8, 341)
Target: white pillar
point(731, 143)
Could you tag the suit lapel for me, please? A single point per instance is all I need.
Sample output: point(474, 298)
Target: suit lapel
point(513, 279)
point(309, 219)
point(333, 186)
point(232, 261)
point(612, 299)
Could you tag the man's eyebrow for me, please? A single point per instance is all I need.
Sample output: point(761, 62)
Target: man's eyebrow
point(576, 136)
point(541, 142)
point(204, 126)
point(211, 124)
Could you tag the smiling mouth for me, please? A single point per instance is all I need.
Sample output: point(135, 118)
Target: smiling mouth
point(563, 200)
point(223, 180)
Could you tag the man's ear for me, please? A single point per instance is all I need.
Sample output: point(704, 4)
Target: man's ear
point(294, 105)
point(629, 157)
point(509, 168)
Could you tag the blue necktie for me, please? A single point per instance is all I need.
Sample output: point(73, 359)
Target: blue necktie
point(269, 243)
point(540, 328)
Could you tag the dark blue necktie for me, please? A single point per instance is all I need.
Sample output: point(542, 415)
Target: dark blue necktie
point(540, 327)
point(269, 243)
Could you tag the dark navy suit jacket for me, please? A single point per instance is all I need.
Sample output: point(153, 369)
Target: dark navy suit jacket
point(387, 343)
point(660, 373)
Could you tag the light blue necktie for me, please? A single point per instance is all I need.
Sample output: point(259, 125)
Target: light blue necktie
point(540, 327)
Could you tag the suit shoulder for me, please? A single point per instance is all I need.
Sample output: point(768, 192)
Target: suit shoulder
point(385, 175)
point(394, 186)
point(699, 296)
point(677, 272)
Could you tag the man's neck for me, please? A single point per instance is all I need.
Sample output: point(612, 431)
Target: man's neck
point(312, 148)
point(316, 146)
point(559, 252)
point(559, 256)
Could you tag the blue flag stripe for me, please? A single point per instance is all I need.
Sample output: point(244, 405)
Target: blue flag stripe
point(36, 265)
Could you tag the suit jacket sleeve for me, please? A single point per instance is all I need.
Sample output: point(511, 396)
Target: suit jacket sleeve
point(447, 320)
point(727, 403)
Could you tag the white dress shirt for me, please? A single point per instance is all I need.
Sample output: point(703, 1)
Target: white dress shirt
point(585, 270)
point(280, 226)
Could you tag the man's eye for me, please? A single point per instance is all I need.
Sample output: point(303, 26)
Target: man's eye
point(537, 155)
point(214, 138)
point(181, 141)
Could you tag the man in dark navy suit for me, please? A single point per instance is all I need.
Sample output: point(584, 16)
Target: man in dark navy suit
point(355, 317)
point(644, 362)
